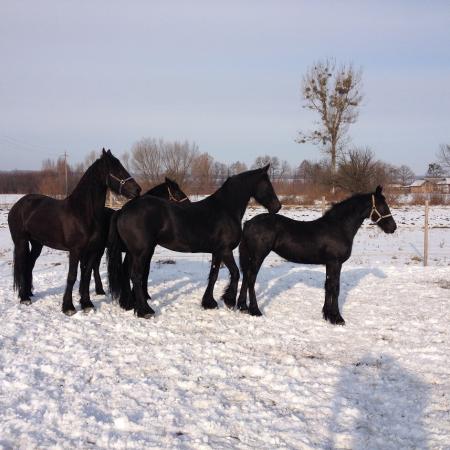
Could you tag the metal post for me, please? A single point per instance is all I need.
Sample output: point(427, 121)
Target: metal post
point(323, 205)
point(425, 237)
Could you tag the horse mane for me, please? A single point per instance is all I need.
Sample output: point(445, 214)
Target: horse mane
point(347, 206)
point(235, 192)
point(89, 195)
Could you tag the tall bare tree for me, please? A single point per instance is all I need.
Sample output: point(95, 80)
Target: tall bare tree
point(405, 175)
point(435, 170)
point(146, 159)
point(177, 159)
point(202, 173)
point(444, 156)
point(237, 167)
point(334, 93)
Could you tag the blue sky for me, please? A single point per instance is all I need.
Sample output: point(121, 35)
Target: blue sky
point(78, 76)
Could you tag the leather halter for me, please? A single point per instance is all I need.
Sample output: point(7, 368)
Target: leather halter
point(172, 198)
point(122, 181)
point(375, 210)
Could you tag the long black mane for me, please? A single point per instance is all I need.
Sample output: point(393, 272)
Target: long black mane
point(348, 206)
point(90, 193)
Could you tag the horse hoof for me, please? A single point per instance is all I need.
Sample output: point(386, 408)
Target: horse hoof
point(255, 312)
point(334, 319)
point(88, 309)
point(229, 304)
point(148, 315)
point(25, 302)
point(210, 304)
point(100, 292)
point(70, 312)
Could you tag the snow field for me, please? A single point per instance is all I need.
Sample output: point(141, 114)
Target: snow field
point(195, 379)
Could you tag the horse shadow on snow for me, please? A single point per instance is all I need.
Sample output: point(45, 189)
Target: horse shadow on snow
point(273, 281)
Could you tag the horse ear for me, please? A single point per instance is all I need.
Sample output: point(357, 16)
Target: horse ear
point(103, 151)
point(378, 190)
point(109, 152)
point(266, 168)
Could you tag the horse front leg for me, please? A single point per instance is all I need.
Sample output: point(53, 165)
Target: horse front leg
point(330, 308)
point(67, 306)
point(86, 271)
point(229, 296)
point(208, 301)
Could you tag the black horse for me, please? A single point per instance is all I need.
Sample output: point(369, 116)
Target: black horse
point(74, 224)
point(327, 240)
point(169, 190)
point(212, 225)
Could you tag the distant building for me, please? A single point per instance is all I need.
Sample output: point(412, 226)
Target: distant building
point(429, 185)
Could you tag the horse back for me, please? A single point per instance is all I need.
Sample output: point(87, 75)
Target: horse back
point(305, 242)
point(46, 220)
point(194, 227)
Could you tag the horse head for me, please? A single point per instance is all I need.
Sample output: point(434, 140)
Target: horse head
point(264, 193)
point(174, 192)
point(380, 212)
point(117, 177)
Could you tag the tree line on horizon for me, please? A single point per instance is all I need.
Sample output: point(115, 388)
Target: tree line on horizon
point(332, 92)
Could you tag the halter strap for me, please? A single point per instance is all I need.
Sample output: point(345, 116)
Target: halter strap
point(121, 181)
point(173, 199)
point(375, 210)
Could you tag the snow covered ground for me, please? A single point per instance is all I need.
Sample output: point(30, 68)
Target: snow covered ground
point(195, 379)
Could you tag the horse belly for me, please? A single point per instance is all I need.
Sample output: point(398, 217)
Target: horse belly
point(305, 252)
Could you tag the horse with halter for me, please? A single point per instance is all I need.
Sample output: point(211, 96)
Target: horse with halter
point(169, 190)
point(327, 240)
point(74, 224)
point(212, 225)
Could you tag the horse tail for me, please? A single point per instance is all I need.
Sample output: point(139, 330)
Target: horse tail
point(21, 248)
point(244, 256)
point(114, 257)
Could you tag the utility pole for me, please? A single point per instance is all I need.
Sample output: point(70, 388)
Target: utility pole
point(65, 168)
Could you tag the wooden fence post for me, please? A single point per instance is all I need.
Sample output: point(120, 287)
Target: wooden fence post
point(425, 237)
point(323, 205)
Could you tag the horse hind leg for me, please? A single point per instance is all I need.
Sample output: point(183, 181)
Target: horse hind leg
point(138, 261)
point(127, 297)
point(21, 270)
point(256, 262)
point(97, 279)
point(250, 260)
point(36, 248)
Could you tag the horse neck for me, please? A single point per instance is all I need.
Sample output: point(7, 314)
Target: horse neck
point(234, 195)
point(354, 213)
point(159, 191)
point(89, 194)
